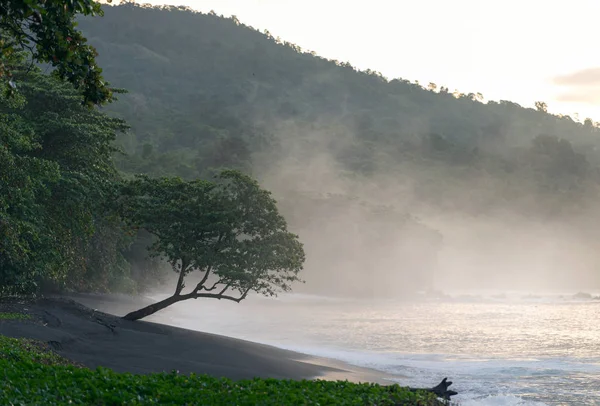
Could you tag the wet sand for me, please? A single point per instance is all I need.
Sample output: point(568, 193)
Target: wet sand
point(82, 329)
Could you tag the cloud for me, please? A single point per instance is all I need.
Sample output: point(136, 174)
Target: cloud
point(585, 96)
point(582, 87)
point(585, 77)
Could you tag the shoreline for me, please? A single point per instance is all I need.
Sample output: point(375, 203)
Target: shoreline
point(84, 328)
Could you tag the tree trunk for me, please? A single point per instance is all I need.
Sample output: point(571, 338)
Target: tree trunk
point(153, 308)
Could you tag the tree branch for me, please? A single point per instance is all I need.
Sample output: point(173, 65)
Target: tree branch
point(18, 32)
point(245, 294)
point(200, 284)
point(225, 288)
point(213, 287)
point(221, 296)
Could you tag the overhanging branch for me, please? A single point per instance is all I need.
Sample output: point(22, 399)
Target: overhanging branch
point(200, 284)
point(246, 293)
point(219, 295)
point(213, 287)
point(225, 288)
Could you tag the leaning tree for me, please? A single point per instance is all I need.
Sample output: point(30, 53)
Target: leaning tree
point(228, 232)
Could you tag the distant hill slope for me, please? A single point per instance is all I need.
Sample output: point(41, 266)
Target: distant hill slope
point(232, 76)
point(208, 91)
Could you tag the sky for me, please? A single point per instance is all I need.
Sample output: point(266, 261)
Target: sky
point(518, 50)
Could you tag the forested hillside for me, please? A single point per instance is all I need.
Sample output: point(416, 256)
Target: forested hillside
point(207, 91)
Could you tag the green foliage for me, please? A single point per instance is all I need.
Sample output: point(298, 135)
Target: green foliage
point(31, 374)
point(17, 352)
point(105, 269)
point(56, 173)
point(25, 249)
point(229, 230)
point(47, 30)
point(146, 271)
point(14, 316)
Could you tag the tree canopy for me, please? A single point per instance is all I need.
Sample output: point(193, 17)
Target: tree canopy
point(57, 172)
point(47, 30)
point(229, 231)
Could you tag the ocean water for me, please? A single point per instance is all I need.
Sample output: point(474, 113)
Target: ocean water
point(500, 350)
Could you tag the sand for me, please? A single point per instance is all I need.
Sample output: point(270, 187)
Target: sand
point(80, 332)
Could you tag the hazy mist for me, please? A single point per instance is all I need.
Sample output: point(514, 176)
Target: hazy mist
point(483, 242)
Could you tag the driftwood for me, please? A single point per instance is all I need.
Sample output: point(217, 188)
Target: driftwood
point(441, 390)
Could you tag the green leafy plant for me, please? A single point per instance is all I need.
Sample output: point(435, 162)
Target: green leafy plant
point(14, 316)
point(56, 173)
point(48, 31)
point(24, 351)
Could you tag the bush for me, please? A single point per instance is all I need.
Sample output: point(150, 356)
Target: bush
point(14, 316)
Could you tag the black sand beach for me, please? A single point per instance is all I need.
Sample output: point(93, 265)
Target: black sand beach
point(78, 330)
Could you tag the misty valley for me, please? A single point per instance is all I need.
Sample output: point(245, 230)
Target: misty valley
point(352, 227)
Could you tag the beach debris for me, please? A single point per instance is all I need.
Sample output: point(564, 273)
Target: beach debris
point(441, 390)
point(582, 295)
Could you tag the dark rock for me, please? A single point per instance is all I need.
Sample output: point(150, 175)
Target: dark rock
point(582, 295)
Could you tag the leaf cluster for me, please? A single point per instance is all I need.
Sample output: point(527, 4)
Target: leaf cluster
point(14, 316)
point(28, 351)
point(48, 32)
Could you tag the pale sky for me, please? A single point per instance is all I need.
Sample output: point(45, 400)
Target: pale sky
point(518, 50)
